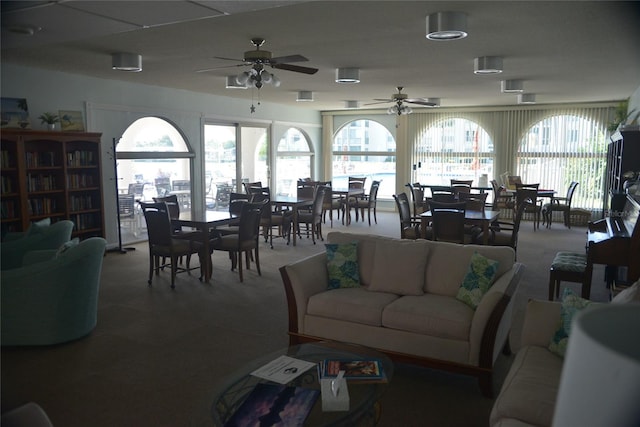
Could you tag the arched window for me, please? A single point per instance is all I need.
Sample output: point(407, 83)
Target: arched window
point(561, 149)
point(365, 148)
point(453, 148)
point(153, 160)
point(294, 160)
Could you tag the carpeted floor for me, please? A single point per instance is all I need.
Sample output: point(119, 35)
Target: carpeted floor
point(157, 354)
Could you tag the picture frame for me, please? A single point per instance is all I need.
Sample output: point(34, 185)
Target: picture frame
point(71, 121)
point(14, 113)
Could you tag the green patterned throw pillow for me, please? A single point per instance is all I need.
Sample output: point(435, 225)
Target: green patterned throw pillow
point(571, 305)
point(478, 280)
point(342, 265)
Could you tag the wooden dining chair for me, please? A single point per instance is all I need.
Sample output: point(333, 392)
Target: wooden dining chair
point(163, 244)
point(330, 203)
point(501, 199)
point(368, 202)
point(502, 232)
point(409, 225)
point(417, 197)
point(313, 219)
point(530, 192)
point(562, 204)
point(474, 201)
point(448, 221)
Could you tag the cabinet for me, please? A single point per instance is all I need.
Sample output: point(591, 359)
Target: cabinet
point(623, 154)
point(51, 174)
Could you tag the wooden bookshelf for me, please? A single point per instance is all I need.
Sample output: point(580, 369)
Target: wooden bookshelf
point(53, 175)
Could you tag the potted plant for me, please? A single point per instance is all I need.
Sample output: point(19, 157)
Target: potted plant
point(50, 119)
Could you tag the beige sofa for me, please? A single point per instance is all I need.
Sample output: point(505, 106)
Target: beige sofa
point(430, 327)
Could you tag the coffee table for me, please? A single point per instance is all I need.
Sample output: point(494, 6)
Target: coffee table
point(364, 407)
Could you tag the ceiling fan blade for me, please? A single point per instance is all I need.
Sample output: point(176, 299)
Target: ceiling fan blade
point(229, 59)
point(296, 68)
point(380, 101)
point(420, 102)
point(384, 100)
point(290, 58)
point(206, 70)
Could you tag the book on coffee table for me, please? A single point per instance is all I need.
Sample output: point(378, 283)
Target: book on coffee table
point(354, 369)
point(274, 404)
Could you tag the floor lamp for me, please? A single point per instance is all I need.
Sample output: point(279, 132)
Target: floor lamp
point(119, 249)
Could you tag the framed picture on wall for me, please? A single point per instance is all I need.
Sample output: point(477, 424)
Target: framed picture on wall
point(14, 113)
point(71, 121)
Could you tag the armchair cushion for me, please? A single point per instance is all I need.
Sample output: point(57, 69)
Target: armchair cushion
point(46, 238)
point(479, 278)
point(38, 227)
point(342, 265)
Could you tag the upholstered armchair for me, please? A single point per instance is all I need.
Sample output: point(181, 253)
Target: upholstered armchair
point(36, 238)
point(53, 297)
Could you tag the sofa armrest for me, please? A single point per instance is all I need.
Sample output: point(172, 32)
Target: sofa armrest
point(303, 279)
point(541, 320)
point(492, 319)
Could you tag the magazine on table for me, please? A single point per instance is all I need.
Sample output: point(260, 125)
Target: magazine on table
point(354, 369)
point(274, 404)
point(283, 369)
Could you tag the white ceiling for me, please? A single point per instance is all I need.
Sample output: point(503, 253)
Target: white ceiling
point(565, 51)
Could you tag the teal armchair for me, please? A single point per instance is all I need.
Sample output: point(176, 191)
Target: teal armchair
point(17, 245)
point(53, 297)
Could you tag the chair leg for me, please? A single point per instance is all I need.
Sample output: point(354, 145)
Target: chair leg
point(257, 256)
point(174, 270)
point(240, 265)
point(151, 258)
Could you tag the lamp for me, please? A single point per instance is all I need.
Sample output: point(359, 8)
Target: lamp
point(347, 75)
point(232, 83)
point(305, 95)
point(600, 380)
point(512, 86)
point(351, 104)
point(123, 61)
point(527, 98)
point(434, 101)
point(487, 65)
point(446, 26)
point(256, 77)
point(400, 109)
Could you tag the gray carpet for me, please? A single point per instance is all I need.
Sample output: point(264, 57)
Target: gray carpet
point(158, 354)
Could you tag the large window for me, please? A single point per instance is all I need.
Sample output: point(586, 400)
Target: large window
point(365, 148)
point(561, 149)
point(454, 148)
point(293, 161)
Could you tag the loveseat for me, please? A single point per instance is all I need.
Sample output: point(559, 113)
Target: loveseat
point(405, 303)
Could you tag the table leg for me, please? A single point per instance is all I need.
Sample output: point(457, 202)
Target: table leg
point(294, 221)
point(485, 232)
point(423, 227)
point(206, 266)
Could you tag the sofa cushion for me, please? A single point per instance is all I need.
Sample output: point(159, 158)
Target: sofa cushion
point(571, 305)
point(432, 315)
point(399, 267)
point(38, 227)
point(342, 265)
point(530, 389)
point(479, 278)
point(351, 304)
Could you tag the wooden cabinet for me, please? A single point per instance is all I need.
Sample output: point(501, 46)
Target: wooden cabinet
point(52, 174)
point(623, 155)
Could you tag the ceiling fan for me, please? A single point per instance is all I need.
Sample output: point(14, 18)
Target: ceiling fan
point(258, 60)
point(400, 99)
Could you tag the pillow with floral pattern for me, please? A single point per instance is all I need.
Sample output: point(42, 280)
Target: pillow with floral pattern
point(479, 278)
point(342, 265)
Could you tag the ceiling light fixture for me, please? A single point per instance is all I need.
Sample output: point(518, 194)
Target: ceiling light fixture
point(527, 98)
point(400, 109)
point(512, 86)
point(347, 75)
point(351, 104)
point(446, 26)
point(305, 95)
point(435, 101)
point(487, 65)
point(256, 77)
point(232, 83)
point(123, 61)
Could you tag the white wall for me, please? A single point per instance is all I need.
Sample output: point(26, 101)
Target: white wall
point(109, 107)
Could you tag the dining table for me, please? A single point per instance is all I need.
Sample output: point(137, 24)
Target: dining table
point(294, 203)
point(204, 222)
point(481, 218)
point(346, 194)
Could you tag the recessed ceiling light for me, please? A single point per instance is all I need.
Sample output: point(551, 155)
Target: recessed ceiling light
point(446, 26)
point(123, 61)
point(527, 98)
point(512, 86)
point(232, 83)
point(305, 95)
point(351, 104)
point(347, 75)
point(488, 65)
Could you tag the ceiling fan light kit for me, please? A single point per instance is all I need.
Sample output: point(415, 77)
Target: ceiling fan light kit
point(123, 61)
point(487, 65)
point(400, 109)
point(444, 26)
point(527, 98)
point(304, 95)
point(512, 86)
point(347, 75)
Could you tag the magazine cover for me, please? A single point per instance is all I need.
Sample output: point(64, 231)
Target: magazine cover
point(370, 369)
point(274, 405)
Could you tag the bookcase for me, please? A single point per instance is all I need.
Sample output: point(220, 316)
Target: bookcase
point(53, 175)
point(623, 154)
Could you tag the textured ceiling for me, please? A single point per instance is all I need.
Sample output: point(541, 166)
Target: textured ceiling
point(565, 51)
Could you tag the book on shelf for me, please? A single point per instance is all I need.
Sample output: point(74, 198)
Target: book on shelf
point(274, 404)
point(366, 370)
